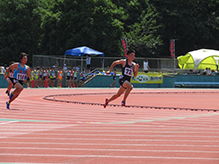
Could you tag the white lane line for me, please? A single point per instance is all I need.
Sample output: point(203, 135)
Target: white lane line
point(188, 133)
point(111, 144)
point(109, 156)
point(122, 150)
point(8, 122)
point(37, 128)
point(113, 139)
point(117, 135)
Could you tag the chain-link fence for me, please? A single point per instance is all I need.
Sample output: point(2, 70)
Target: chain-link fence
point(100, 63)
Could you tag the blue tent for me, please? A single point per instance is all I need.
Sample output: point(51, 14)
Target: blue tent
point(81, 51)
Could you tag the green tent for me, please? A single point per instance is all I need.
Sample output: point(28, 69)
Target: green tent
point(199, 59)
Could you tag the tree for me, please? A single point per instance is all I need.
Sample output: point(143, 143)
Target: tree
point(94, 23)
point(20, 29)
point(193, 23)
point(144, 34)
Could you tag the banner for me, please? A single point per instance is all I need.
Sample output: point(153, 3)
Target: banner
point(172, 48)
point(125, 47)
point(148, 78)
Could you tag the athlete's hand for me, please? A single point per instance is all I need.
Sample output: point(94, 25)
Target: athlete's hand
point(137, 65)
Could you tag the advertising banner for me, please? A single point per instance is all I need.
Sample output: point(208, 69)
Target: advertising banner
point(148, 78)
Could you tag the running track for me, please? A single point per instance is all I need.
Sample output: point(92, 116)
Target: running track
point(41, 131)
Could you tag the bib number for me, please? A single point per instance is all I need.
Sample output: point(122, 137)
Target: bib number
point(20, 76)
point(128, 71)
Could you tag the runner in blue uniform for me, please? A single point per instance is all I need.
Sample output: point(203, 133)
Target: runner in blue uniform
point(128, 67)
point(21, 75)
point(9, 78)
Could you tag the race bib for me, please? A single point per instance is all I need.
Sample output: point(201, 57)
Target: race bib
point(20, 76)
point(128, 71)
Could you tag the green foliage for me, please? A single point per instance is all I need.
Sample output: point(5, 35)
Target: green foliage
point(20, 28)
point(144, 36)
point(52, 26)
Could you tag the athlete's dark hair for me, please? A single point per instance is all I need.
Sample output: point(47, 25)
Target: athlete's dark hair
point(130, 51)
point(22, 55)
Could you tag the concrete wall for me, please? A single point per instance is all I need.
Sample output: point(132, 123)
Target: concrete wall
point(168, 82)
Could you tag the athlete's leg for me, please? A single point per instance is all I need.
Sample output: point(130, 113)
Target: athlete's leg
point(119, 93)
point(10, 85)
point(16, 92)
point(128, 87)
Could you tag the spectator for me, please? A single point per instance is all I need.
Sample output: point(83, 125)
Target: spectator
point(146, 66)
point(68, 78)
point(52, 77)
point(2, 69)
point(59, 78)
point(32, 77)
point(114, 79)
point(83, 78)
point(205, 72)
point(37, 78)
point(88, 60)
point(208, 71)
point(65, 68)
point(71, 77)
point(40, 77)
point(75, 77)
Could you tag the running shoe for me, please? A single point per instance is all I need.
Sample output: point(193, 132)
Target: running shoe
point(7, 93)
point(106, 103)
point(7, 105)
point(123, 103)
point(11, 95)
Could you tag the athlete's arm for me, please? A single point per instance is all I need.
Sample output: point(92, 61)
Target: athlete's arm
point(117, 62)
point(28, 71)
point(11, 67)
point(136, 67)
point(6, 74)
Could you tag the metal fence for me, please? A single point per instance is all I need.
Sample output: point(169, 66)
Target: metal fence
point(100, 63)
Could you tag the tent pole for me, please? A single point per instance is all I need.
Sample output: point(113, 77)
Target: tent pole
point(81, 63)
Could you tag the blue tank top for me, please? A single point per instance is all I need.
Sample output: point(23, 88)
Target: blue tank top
point(20, 73)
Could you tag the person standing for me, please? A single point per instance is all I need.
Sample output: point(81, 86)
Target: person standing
point(68, 78)
point(83, 74)
point(128, 67)
point(88, 61)
point(32, 77)
point(52, 77)
point(114, 79)
point(146, 66)
point(21, 75)
point(59, 78)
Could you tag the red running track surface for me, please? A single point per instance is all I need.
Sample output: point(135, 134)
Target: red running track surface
point(41, 131)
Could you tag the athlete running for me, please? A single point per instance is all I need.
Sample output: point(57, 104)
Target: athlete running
point(21, 75)
point(9, 78)
point(128, 67)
